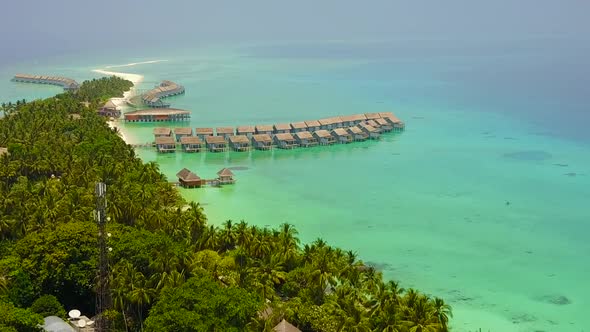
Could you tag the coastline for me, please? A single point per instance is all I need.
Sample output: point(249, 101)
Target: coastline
point(136, 79)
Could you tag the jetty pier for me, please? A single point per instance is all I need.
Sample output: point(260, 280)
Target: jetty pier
point(344, 130)
point(67, 84)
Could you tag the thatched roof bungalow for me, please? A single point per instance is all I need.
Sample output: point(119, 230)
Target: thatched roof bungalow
point(393, 120)
point(285, 141)
point(109, 109)
point(369, 130)
point(298, 127)
point(305, 139)
point(162, 132)
point(224, 131)
point(312, 125)
point(191, 143)
point(372, 116)
point(357, 134)
point(264, 129)
point(239, 142)
point(225, 176)
point(285, 326)
point(182, 132)
point(328, 123)
point(165, 144)
point(246, 130)
point(262, 141)
point(188, 179)
point(282, 128)
point(323, 137)
point(383, 124)
point(341, 135)
point(204, 132)
point(216, 143)
point(3, 151)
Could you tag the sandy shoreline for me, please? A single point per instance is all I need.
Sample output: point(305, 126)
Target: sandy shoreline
point(122, 102)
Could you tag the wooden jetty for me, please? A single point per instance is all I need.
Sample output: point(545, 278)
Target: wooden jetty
point(67, 84)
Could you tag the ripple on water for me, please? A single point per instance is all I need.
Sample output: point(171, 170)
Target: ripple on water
point(528, 155)
point(239, 168)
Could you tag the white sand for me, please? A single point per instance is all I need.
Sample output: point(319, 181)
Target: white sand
point(135, 64)
point(122, 102)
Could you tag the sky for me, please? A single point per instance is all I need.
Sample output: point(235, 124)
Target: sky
point(69, 26)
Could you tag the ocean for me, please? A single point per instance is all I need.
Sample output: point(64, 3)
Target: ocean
point(482, 200)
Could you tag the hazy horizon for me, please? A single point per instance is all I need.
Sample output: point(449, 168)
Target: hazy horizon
point(75, 26)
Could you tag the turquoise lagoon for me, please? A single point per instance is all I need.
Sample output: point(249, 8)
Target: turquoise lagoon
point(482, 200)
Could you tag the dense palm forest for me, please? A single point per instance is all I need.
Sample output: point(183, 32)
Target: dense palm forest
point(170, 269)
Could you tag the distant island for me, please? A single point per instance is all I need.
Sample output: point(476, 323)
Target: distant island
point(169, 269)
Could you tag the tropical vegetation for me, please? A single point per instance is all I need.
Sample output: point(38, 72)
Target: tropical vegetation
point(170, 270)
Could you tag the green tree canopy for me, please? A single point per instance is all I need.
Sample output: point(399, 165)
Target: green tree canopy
point(202, 304)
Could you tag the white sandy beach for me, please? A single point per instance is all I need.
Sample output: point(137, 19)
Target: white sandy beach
point(122, 102)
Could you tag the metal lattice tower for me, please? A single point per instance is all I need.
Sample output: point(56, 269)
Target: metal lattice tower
point(103, 292)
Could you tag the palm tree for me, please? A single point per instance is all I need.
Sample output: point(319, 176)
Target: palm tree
point(442, 311)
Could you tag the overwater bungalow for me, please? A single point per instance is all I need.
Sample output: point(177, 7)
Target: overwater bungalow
point(204, 132)
point(264, 129)
point(153, 98)
point(327, 124)
point(165, 144)
point(239, 143)
point(372, 116)
point(225, 176)
point(396, 123)
point(323, 137)
point(384, 125)
point(312, 125)
point(297, 127)
point(282, 128)
point(285, 326)
point(191, 143)
point(162, 132)
point(216, 143)
point(374, 124)
point(109, 109)
point(352, 120)
point(67, 84)
point(246, 130)
point(224, 131)
point(341, 135)
point(337, 122)
point(182, 132)
point(158, 115)
point(369, 130)
point(285, 141)
point(357, 134)
point(305, 139)
point(262, 141)
point(188, 179)
point(347, 120)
